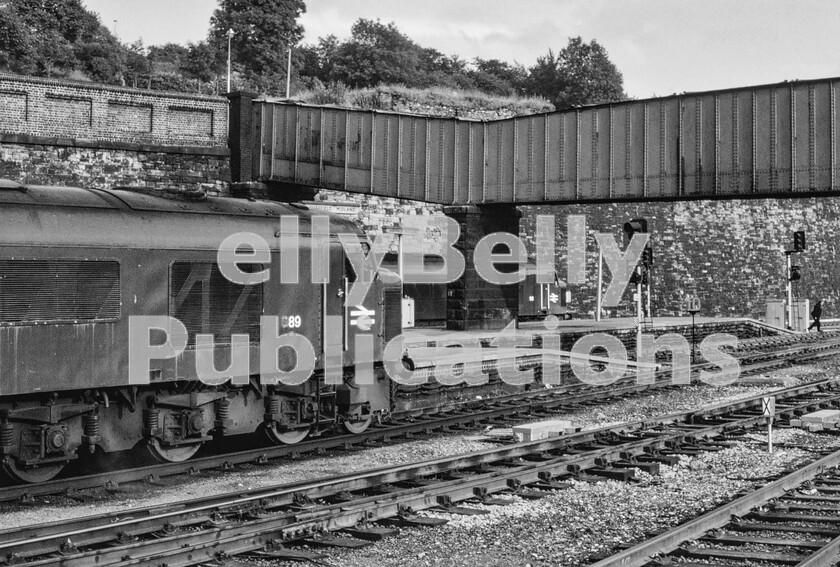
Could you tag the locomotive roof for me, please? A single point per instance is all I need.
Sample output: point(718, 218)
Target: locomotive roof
point(140, 199)
point(141, 217)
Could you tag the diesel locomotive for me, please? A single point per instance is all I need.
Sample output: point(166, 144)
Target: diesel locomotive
point(77, 264)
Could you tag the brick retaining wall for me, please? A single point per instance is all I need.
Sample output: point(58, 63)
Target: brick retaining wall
point(72, 109)
point(75, 133)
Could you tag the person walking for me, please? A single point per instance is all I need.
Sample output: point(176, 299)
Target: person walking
point(816, 313)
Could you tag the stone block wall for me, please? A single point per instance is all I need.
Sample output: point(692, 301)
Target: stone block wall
point(374, 214)
point(728, 253)
point(45, 164)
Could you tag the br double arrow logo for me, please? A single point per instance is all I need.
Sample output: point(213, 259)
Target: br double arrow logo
point(362, 317)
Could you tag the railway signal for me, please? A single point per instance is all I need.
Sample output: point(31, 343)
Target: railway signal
point(794, 273)
point(647, 256)
point(799, 241)
point(641, 275)
point(632, 227)
point(692, 305)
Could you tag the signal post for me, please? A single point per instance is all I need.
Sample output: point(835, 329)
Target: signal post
point(794, 273)
point(641, 275)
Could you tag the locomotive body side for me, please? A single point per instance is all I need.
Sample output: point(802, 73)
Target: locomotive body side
point(77, 265)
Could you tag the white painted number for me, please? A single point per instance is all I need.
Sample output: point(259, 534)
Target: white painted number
point(290, 321)
point(692, 304)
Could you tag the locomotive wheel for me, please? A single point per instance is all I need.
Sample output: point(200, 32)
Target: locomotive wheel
point(285, 437)
point(171, 454)
point(357, 427)
point(33, 475)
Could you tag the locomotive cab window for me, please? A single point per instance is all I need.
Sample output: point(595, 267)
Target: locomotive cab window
point(59, 291)
point(206, 302)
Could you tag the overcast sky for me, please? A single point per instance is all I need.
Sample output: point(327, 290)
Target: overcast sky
point(660, 46)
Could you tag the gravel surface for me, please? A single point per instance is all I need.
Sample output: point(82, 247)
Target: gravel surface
point(562, 529)
point(568, 527)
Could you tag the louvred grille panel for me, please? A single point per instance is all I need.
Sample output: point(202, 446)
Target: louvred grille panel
point(206, 302)
point(392, 311)
point(59, 291)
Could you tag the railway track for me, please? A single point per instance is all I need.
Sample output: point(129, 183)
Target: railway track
point(763, 344)
point(261, 521)
point(791, 521)
point(751, 351)
point(530, 405)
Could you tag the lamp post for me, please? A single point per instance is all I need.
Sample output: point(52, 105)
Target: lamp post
point(289, 71)
point(600, 284)
point(230, 36)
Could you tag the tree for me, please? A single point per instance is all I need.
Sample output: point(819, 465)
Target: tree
point(318, 61)
point(201, 62)
point(136, 64)
point(376, 53)
point(52, 52)
point(581, 73)
point(544, 77)
point(15, 49)
point(168, 58)
point(262, 34)
point(498, 77)
point(437, 69)
point(47, 37)
point(101, 61)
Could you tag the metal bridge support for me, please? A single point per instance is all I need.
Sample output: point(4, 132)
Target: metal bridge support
point(472, 302)
point(242, 136)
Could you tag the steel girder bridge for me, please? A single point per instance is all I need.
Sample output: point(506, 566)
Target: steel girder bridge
point(776, 140)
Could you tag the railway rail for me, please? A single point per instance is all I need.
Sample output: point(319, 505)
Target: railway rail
point(529, 405)
point(261, 521)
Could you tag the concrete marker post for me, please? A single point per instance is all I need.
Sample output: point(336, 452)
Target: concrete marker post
point(768, 408)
